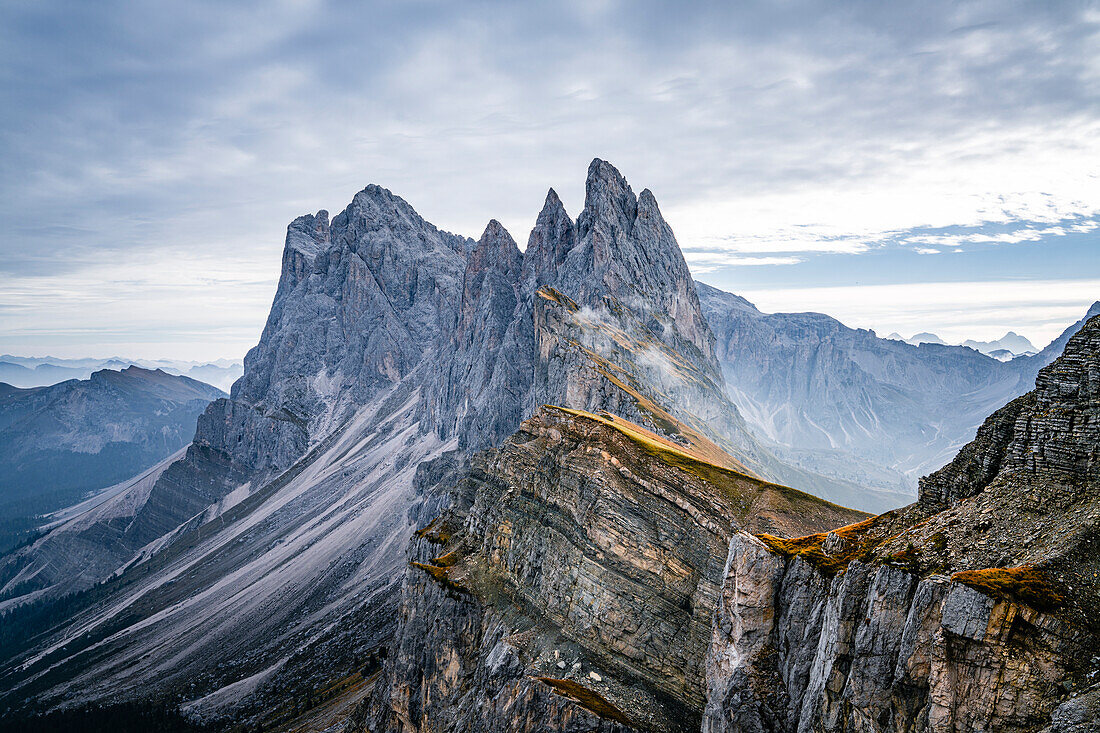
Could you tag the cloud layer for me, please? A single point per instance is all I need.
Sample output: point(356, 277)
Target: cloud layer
point(144, 142)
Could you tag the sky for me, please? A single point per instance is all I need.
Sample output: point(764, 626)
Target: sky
point(904, 167)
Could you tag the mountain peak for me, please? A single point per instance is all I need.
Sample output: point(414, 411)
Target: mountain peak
point(308, 234)
point(607, 198)
point(600, 170)
point(550, 241)
point(496, 244)
point(552, 201)
point(378, 208)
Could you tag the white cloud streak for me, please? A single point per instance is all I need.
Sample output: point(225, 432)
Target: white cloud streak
point(771, 133)
point(957, 311)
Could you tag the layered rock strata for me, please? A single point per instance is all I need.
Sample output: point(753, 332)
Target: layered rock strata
point(572, 584)
point(971, 610)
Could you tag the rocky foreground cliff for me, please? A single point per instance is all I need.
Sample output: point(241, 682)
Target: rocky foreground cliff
point(572, 583)
point(972, 610)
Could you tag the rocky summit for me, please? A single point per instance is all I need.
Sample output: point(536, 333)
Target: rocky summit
point(465, 487)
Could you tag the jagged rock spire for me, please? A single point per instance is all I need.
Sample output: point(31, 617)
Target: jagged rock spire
point(550, 241)
point(621, 247)
point(608, 199)
point(306, 237)
point(488, 296)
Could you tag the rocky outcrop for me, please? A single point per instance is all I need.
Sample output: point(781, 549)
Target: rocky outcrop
point(361, 303)
point(572, 584)
point(972, 610)
point(479, 391)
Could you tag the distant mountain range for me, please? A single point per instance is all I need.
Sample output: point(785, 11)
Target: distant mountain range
point(24, 371)
point(59, 442)
point(843, 402)
point(1005, 348)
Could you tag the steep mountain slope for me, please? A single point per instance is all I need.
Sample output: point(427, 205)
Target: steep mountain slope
point(60, 442)
point(843, 402)
point(264, 563)
point(572, 583)
point(971, 610)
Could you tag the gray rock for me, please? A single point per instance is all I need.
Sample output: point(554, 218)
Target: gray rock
point(966, 612)
point(887, 643)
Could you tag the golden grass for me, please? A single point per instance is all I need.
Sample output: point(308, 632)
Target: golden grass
point(746, 495)
point(657, 446)
point(1026, 584)
point(908, 558)
point(586, 698)
point(702, 447)
point(437, 532)
point(858, 538)
point(440, 575)
point(556, 296)
point(448, 560)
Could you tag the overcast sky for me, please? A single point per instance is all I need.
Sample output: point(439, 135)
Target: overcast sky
point(931, 167)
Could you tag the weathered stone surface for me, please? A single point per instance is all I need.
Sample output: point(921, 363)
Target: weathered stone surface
point(893, 643)
point(574, 552)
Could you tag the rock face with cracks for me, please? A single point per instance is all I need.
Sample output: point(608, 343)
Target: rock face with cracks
point(573, 582)
point(971, 610)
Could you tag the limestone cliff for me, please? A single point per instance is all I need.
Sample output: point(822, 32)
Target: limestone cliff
point(572, 583)
point(972, 610)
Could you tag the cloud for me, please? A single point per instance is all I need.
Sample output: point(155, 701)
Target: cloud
point(198, 130)
point(705, 261)
point(955, 311)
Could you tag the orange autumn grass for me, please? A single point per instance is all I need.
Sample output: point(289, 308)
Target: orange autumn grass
point(1026, 584)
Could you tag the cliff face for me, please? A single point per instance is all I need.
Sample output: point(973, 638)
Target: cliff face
point(572, 584)
point(972, 610)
